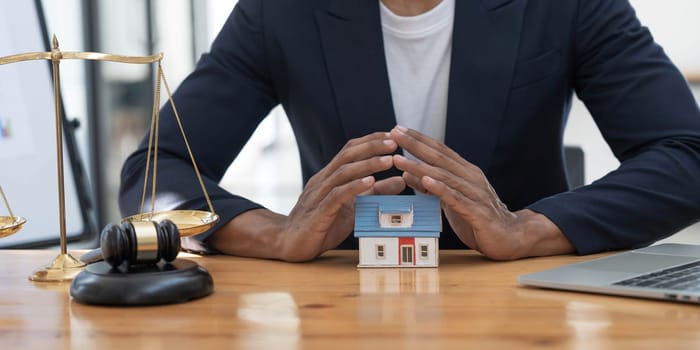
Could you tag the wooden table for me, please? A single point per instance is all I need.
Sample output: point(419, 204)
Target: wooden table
point(466, 303)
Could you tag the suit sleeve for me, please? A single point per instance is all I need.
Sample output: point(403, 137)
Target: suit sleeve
point(220, 105)
point(647, 114)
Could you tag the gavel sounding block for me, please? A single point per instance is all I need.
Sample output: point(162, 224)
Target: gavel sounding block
point(164, 283)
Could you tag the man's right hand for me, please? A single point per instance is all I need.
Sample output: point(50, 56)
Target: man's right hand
point(324, 214)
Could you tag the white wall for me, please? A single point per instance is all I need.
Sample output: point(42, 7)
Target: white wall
point(674, 24)
point(63, 18)
point(367, 254)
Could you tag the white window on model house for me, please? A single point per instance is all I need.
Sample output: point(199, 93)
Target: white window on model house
point(396, 217)
point(379, 251)
point(423, 252)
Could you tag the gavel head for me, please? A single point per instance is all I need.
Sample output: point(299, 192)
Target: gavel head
point(140, 242)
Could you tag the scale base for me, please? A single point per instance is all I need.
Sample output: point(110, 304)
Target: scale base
point(63, 268)
point(163, 283)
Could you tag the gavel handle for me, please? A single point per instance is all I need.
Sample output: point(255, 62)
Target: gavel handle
point(92, 256)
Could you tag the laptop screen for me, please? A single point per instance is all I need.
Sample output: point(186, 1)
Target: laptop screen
point(28, 156)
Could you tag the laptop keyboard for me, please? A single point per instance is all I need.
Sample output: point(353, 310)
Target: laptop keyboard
point(684, 277)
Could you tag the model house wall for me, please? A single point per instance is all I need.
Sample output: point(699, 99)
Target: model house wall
point(424, 251)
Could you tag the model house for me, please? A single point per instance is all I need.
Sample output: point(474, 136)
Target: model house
point(398, 231)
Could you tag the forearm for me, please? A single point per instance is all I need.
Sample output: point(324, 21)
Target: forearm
point(255, 233)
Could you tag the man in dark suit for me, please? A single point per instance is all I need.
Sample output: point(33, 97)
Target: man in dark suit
point(485, 134)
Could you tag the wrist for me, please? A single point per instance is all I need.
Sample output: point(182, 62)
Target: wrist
point(255, 233)
point(540, 236)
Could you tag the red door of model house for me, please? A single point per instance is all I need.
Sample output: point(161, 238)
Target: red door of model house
point(407, 251)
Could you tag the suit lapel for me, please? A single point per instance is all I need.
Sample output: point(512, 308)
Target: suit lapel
point(484, 51)
point(351, 36)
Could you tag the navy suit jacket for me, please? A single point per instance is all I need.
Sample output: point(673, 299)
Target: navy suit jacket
point(515, 66)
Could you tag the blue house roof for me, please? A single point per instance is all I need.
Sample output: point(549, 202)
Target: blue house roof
point(397, 207)
point(427, 220)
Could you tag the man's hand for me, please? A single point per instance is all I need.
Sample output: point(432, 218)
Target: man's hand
point(471, 206)
point(324, 214)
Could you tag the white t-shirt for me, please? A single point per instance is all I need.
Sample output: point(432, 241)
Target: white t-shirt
point(417, 51)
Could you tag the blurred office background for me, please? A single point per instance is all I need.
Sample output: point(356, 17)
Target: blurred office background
point(112, 102)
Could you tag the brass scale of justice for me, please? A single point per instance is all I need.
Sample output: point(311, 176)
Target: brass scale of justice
point(189, 222)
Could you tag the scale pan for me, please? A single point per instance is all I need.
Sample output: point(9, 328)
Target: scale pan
point(189, 222)
point(9, 225)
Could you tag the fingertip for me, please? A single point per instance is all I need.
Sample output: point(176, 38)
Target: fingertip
point(429, 180)
point(431, 185)
point(399, 157)
point(395, 132)
point(368, 180)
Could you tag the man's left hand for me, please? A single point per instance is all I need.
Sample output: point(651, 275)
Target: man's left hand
point(471, 205)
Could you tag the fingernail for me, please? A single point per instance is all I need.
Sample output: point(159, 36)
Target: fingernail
point(400, 157)
point(385, 159)
point(389, 142)
point(387, 134)
point(401, 128)
point(429, 179)
point(367, 180)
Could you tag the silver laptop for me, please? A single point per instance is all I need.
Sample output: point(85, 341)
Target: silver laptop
point(665, 271)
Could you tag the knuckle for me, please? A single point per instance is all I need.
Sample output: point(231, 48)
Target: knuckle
point(410, 179)
point(442, 157)
point(344, 154)
point(336, 195)
point(378, 162)
point(444, 176)
point(333, 195)
point(477, 171)
point(342, 171)
point(313, 180)
point(352, 142)
point(443, 149)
